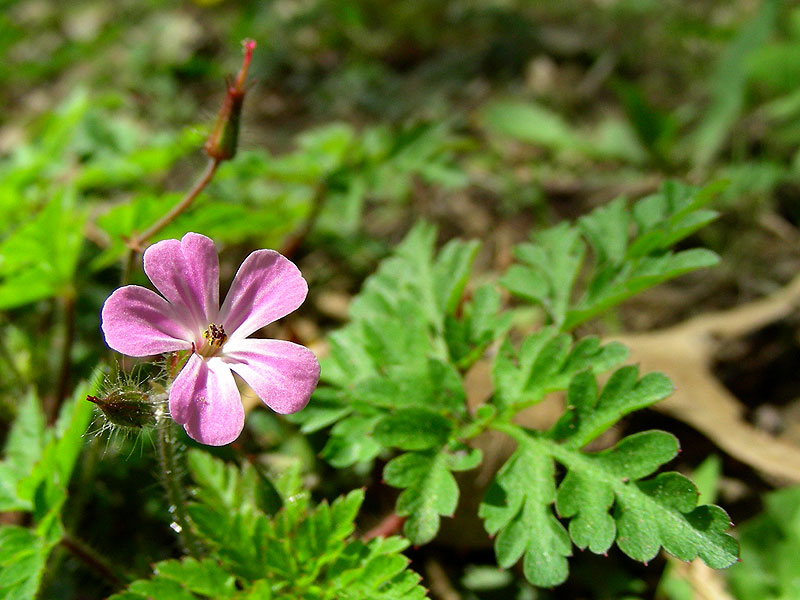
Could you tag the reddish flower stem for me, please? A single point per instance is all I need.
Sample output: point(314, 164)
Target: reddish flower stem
point(291, 245)
point(137, 241)
point(390, 525)
point(220, 146)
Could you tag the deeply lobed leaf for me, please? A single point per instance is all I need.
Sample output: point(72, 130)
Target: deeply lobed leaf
point(34, 477)
point(631, 250)
point(546, 362)
point(299, 553)
point(590, 412)
point(517, 509)
point(430, 490)
point(606, 500)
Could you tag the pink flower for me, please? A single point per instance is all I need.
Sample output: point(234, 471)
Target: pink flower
point(204, 397)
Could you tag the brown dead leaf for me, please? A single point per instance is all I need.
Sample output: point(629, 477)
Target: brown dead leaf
point(685, 353)
point(706, 583)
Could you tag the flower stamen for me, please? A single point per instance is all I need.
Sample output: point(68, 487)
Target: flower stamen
point(215, 336)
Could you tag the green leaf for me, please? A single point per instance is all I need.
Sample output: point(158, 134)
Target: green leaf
point(481, 323)
point(770, 543)
point(550, 266)
point(34, 477)
point(546, 362)
point(655, 128)
point(351, 442)
point(343, 513)
point(299, 552)
point(435, 388)
point(394, 355)
point(261, 590)
point(588, 503)
point(662, 512)
point(413, 429)
point(398, 318)
point(728, 85)
point(706, 477)
point(517, 509)
point(589, 414)
point(631, 252)
point(23, 557)
point(614, 287)
point(484, 578)
point(50, 476)
point(451, 271)
point(430, 490)
point(607, 229)
point(23, 449)
point(39, 259)
point(482, 313)
point(464, 458)
point(164, 589)
point(534, 124)
point(327, 408)
point(227, 487)
point(205, 577)
point(646, 514)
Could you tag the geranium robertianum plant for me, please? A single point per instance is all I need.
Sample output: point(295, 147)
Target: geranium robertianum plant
point(393, 387)
point(393, 390)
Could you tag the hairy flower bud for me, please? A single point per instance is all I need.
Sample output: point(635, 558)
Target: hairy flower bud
point(129, 408)
point(221, 144)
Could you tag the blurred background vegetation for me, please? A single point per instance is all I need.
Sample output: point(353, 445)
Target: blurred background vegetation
point(487, 117)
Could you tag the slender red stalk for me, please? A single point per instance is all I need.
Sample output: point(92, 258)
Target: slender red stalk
point(390, 525)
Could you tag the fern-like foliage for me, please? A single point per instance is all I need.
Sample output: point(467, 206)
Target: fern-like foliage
point(546, 362)
point(298, 553)
point(34, 474)
point(632, 251)
point(394, 375)
point(394, 382)
point(604, 495)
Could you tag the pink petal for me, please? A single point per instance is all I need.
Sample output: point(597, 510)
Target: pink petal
point(267, 286)
point(205, 400)
point(139, 322)
point(186, 272)
point(281, 373)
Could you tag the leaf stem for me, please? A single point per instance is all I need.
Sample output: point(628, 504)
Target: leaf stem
point(5, 354)
point(515, 432)
point(94, 561)
point(171, 480)
point(136, 242)
point(317, 202)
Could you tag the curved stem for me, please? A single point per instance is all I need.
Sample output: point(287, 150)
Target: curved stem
point(94, 561)
point(5, 355)
point(317, 202)
point(137, 241)
point(199, 185)
point(171, 480)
